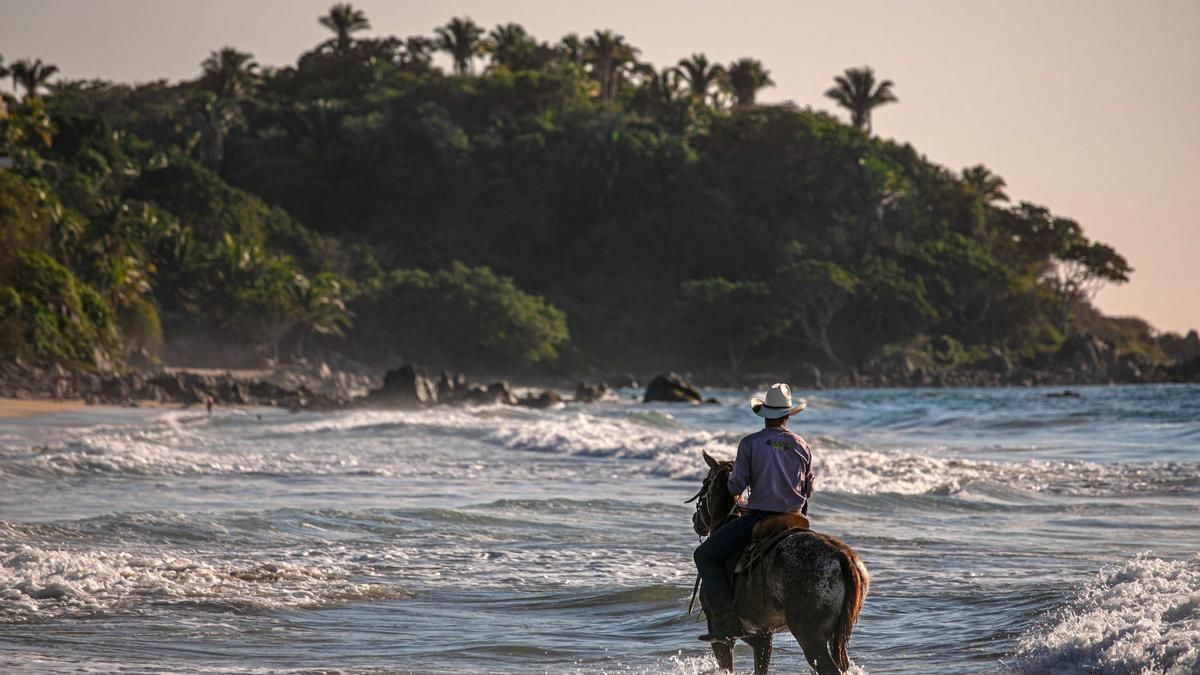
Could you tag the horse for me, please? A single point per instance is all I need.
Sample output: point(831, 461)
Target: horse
point(810, 583)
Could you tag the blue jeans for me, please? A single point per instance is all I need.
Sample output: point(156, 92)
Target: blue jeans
point(710, 557)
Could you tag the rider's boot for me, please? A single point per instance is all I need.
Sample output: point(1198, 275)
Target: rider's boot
point(726, 627)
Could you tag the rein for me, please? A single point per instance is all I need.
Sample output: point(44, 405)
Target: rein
point(704, 496)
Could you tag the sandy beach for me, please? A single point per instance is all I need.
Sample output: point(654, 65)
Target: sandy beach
point(20, 408)
point(16, 408)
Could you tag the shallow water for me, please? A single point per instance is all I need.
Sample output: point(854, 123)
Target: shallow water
point(1004, 531)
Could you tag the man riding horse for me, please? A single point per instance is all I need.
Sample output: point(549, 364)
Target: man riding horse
point(776, 465)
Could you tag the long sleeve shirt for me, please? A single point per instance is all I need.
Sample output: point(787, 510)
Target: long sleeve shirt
point(776, 465)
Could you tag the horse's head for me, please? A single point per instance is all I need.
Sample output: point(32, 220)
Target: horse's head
point(713, 501)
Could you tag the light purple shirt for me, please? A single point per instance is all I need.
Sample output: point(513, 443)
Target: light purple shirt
point(776, 464)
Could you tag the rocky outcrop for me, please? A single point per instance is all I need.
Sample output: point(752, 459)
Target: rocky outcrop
point(548, 398)
point(18, 380)
point(405, 387)
point(590, 393)
point(671, 388)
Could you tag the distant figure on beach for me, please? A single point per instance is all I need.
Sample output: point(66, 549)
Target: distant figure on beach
point(776, 465)
point(208, 404)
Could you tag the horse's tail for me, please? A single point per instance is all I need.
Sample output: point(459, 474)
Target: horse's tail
point(855, 582)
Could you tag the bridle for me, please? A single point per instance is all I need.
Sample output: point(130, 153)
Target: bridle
point(717, 475)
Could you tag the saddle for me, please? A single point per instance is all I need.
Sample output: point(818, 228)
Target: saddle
point(767, 533)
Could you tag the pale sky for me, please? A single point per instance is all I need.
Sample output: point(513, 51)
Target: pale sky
point(1087, 107)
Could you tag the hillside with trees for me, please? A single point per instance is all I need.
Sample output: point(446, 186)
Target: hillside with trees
point(554, 207)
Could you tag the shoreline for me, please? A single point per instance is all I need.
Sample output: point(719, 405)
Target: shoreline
point(31, 408)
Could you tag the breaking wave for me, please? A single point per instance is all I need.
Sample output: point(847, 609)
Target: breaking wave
point(653, 441)
point(38, 583)
point(1139, 617)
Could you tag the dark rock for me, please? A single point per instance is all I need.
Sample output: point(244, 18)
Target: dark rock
point(712, 401)
point(1126, 370)
point(476, 395)
point(1066, 393)
point(590, 393)
point(546, 399)
point(407, 385)
point(671, 388)
point(1085, 353)
point(451, 388)
point(501, 392)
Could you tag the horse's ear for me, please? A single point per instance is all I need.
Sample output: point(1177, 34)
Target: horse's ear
point(712, 463)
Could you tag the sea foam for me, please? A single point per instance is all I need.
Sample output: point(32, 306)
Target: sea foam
point(1139, 617)
point(37, 583)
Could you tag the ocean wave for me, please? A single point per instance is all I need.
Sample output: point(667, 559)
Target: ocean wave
point(1139, 617)
point(37, 583)
point(384, 443)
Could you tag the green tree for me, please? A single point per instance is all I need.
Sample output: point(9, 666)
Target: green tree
point(461, 39)
point(230, 74)
point(344, 21)
point(704, 79)
point(513, 48)
point(319, 306)
point(733, 315)
point(610, 58)
point(214, 118)
point(857, 92)
point(48, 316)
point(985, 185)
point(812, 294)
point(32, 76)
point(418, 50)
point(745, 78)
point(466, 315)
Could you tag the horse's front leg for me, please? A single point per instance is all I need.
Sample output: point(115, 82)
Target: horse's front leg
point(723, 651)
point(762, 652)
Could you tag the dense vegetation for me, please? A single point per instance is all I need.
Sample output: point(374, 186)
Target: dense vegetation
point(561, 205)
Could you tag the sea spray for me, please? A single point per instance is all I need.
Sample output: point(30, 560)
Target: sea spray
point(1142, 616)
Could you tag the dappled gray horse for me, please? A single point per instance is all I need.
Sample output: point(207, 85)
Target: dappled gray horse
point(812, 584)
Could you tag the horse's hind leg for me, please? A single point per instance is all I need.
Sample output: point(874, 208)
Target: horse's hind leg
point(762, 652)
point(723, 651)
point(816, 649)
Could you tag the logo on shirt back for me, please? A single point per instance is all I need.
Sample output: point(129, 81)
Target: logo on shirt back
point(779, 445)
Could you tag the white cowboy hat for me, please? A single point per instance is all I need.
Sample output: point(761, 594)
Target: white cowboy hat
point(778, 403)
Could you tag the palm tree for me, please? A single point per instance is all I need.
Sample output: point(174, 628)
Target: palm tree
point(460, 38)
point(506, 37)
point(215, 117)
point(703, 78)
point(856, 91)
point(229, 74)
point(571, 48)
point(663, 95)
point(610, 57)
point(31, 75)
point(987, 186)
point(343, 20)
point(745, 78)
point(418, 49)
point(513, 48)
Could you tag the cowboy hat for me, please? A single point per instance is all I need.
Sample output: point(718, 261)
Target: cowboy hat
point(778, 403)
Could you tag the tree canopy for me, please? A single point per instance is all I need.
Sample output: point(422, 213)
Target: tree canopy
point(566, 206)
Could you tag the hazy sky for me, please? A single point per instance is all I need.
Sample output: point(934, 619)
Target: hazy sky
point(1087, 107)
